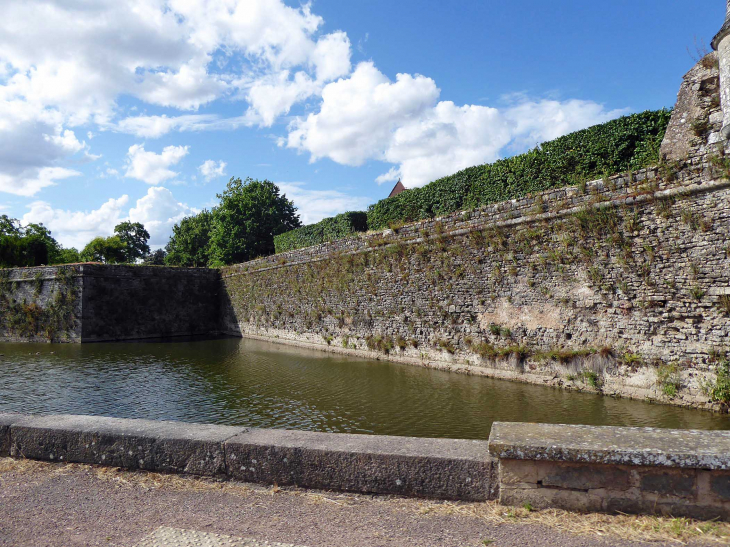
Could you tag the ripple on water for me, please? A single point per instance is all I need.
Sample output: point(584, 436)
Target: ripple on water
point(259, 384)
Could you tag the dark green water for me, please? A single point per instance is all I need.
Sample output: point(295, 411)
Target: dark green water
point(245, 382)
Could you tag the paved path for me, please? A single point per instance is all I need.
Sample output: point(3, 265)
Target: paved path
point(44, 505)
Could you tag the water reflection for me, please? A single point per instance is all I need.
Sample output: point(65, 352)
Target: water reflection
point(252, 383)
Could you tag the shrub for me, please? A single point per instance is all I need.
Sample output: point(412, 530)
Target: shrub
point(329, 229)
point(669, 379)
point(719, 391)
point(630, 142)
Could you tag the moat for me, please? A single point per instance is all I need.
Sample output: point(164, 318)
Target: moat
point(260, 384)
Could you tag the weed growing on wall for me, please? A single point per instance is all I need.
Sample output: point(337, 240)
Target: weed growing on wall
point(53, 319)
point(669, 379)
point(429, 287)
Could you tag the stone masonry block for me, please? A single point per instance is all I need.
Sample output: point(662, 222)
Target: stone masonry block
point(720, 486)
point(130, 444)
point(670, 482)
point(434, 468)
point(513, 472)
point(544, 498)
point(5, 421)
point(584, 477)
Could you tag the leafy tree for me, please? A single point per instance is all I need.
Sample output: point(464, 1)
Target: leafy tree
point(69, 256)
point(9, 226)
point(38, 236)
point(135, 237)
point(110, 250)
point(31, 245)
point(190, 241)
point(250, 214)
point(155, 258)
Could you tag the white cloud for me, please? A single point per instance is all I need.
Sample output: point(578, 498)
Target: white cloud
point(314, 205)
point(212, 169)
point(331, 57)
point(34, 180)
point(537, 122)
point(67, 141)
point(65, 64)
point(77, 228)
point(368, 117)
point(159, 211)
point(153, 168)
point(271, 97)
point(391, 176)
point(359, 114)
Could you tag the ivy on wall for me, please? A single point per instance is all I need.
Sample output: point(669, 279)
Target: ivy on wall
point(329, 229)
point(630, 142)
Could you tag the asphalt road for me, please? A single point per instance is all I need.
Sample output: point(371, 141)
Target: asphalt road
point(44, 505)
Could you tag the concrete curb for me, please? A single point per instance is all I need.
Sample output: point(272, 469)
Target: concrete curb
point(430, 468)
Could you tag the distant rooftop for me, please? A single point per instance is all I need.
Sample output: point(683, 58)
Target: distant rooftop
point(397, 189)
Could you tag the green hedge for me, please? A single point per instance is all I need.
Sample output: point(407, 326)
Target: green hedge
point(630, 142)
point(330, 228)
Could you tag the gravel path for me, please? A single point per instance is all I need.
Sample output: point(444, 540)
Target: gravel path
point(44, 505)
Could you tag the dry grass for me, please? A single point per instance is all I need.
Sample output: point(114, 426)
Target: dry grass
point(626, 527)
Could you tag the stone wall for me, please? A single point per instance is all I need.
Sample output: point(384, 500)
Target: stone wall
point(135, 302)
point(623, 286)
point(40, 304)
point(620, 286)
point(94, 302)
point(609, 469)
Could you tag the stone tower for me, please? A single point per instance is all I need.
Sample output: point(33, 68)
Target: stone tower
point(721, 43)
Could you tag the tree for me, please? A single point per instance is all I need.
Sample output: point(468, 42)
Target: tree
point(110, 250)
point(250, 214)
point(31, 245)
point(135, 237)
point(9, 226)
point(38, 236)
point(190, 240)
point(69, 256)
point(155, 258)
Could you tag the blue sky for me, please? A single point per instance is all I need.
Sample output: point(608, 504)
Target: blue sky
point(143, 109)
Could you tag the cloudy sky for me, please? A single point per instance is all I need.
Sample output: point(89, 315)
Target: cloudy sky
point(142, 109)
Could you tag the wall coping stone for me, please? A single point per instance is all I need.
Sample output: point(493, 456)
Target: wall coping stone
point(431, 468)
point(689, 449)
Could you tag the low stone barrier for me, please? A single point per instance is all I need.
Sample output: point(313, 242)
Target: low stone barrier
point(432, 468)
point(579, 468)
point(610, 469)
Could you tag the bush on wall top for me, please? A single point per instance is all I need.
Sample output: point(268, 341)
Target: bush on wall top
point(630, 142)
point(327, 230)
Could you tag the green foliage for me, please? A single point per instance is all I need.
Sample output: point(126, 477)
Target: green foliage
point(29, 319)
point(251, 213)
point(135, 238)
point(110, 250)
point(329, 229)
point(592, 378)
point(155, 258)
point(189, 244)
point(669, 379)
point(69, 256)
point(719, 391)
point(31, 245)
point(631, 142)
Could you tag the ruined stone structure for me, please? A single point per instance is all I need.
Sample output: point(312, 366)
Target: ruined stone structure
point(721, 44)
